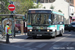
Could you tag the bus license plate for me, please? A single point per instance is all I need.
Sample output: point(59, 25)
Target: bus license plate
point(39, 34)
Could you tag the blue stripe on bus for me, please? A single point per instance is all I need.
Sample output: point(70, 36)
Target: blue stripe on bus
point(29, 26)
point(51, 26)
point(58, 27)
point(57, 13)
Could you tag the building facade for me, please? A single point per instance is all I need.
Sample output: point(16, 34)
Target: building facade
point(70, 1)
point(46, 1)
point(66, 6)
point(74, 6)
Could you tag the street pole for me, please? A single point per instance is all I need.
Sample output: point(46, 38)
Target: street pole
point(13, 34)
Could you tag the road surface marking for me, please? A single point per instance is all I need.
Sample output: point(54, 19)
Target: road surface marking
point(60, 39)
point(28, 44)
point(41, 45)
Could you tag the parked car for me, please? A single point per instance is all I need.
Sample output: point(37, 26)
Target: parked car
point(71, 26)
point(66, 26)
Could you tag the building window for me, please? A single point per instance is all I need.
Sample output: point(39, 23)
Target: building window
point(70, 1)
point(50, 1)
point(41, 1)
point(46, 1)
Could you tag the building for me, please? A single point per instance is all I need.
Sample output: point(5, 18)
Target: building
point(65, 6)
point(3, 8)
point(74, 6)
point(46, 1)
point(70, 1)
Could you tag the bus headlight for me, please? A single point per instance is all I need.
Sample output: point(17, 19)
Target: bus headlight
point(30, 30)
point(47, 30)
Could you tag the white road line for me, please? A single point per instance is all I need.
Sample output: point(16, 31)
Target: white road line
point(60, 39)
point(41, 45)
point(28, 44)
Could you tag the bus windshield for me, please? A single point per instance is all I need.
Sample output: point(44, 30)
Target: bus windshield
point(39, 19)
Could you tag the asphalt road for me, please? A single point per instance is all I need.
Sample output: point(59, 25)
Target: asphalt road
point(66, 42)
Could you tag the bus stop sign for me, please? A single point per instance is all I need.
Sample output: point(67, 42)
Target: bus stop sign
point(11, 7)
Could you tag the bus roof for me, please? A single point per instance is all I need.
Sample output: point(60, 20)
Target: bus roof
point(40, 9)
point(45, 11)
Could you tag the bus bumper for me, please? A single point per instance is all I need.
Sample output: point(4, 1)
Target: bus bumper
point(39, 33)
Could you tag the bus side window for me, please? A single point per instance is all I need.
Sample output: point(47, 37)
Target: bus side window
point(53, 19)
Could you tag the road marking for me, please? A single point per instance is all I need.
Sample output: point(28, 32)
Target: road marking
point(41, 45)
point(28, 44)
point(58, 40)
point(61, 39)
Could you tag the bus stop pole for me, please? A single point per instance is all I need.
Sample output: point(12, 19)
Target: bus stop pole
point(13, 34)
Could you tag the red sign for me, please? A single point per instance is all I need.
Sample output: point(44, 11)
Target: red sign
point(11, 7)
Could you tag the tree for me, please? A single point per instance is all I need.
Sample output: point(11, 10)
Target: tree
point(44, 7)
point(4, 7)
point(59, 11)
point(52, 7)
point(22, 6)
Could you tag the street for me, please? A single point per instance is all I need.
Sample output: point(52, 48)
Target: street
point(66, 42)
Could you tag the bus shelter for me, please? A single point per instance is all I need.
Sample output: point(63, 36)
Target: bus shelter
point(11, 19)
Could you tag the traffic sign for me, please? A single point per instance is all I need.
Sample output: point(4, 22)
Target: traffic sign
point(11, 7)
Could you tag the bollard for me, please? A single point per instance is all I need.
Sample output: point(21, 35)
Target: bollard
point(7, 38)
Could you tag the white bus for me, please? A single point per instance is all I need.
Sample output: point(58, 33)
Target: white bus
point(45, 22)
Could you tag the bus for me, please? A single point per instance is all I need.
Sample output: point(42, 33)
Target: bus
point(45, 22)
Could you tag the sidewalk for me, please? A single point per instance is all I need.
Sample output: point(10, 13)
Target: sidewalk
point(18, 38)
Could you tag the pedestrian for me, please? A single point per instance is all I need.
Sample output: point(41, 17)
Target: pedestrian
point(7, 32)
